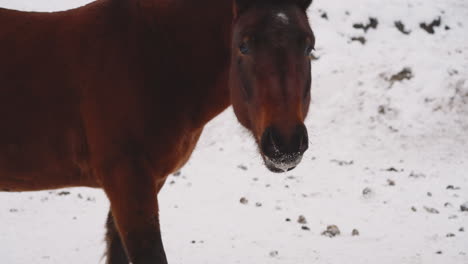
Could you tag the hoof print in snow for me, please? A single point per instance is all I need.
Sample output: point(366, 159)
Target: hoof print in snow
point(461, 229)
point(453, 188)
point(390, 182)
point(373, 23)
point(401, 27)
point(243, 200)
point(439, 252)
point(417, 175)
point(450, 235)
point(302, 220)
point(13, 210)
point(305, 228)
point(429, 28)
point(431, 210)
point(274, 253)
point(343, 162)
point(361, 40)
point(355, 232)
point(414, 209)
point(177, 174)
point(64, 193)
point(291, 177)
point(453, 217)
point(367, 192)
point(242, 167)
point(258, 204)
point(331, 231)
point(464, 207)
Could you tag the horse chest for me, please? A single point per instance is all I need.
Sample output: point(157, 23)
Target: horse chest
point(180, 150)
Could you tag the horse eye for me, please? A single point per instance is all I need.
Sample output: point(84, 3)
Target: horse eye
point(244, 48)
point(309, 50)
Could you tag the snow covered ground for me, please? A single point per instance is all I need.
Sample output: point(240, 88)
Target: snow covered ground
point(388, 157)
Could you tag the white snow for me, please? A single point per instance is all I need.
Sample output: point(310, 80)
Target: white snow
point(418, 141)
point(283, 17)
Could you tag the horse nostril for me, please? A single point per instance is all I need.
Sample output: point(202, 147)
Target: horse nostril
point(271, 143)
point(302, 139)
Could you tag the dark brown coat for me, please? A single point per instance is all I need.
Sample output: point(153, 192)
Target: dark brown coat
point(115, 95)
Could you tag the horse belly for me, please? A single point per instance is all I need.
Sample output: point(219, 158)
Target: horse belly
point(41, 139)
point(42, 158)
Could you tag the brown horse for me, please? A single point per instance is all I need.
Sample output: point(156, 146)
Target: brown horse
point(115, 95)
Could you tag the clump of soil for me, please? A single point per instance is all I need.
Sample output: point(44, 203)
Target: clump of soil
point(355, 232)
point(361, 40)
point(464, 207)
point(302, 220)
point(323, 15)
point(373, 23)
point(401, 27)
point(243, 200)
point(405, 74)
point(429, 28)
point(332, 231)
point(431, 210)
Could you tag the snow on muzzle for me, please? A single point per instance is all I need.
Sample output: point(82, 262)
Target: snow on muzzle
point(282, 152)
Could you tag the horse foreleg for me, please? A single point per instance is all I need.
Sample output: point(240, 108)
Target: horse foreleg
point(132, 192)
point(115, 249)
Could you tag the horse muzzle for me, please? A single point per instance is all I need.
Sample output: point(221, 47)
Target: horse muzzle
point(283, 153)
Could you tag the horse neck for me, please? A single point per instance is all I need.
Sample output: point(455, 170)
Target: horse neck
point(192, 40)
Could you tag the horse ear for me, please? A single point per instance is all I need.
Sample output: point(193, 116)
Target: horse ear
point(304, 4)
point(242, 5)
